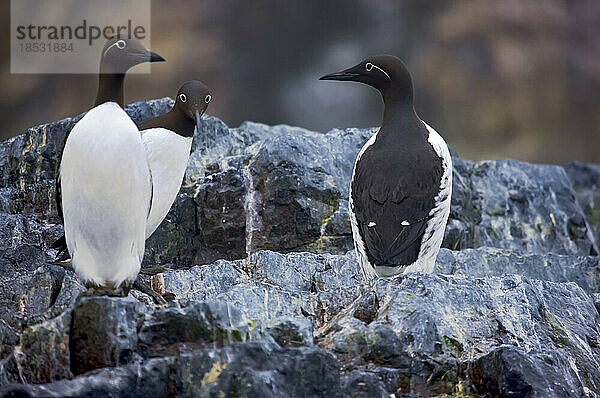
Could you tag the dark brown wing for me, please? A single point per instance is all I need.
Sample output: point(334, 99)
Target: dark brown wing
point(393, 193)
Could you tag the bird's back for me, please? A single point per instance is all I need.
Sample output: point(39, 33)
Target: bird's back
point(396, 184)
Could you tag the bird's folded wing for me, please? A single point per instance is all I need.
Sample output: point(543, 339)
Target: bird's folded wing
point(393, 245)
point(392, 218)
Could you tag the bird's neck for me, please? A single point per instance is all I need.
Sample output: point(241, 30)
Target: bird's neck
point(110, 88)
point(172, 120)
point(400, 119)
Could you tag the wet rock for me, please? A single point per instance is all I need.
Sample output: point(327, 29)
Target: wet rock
point(103, 333)
point(43, 352)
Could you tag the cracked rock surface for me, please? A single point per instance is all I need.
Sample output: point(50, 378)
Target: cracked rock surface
point(268, 296)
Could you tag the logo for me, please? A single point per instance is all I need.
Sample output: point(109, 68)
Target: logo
point(67, 36)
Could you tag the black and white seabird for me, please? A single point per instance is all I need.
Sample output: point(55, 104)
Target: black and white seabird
point(104, 180)
point(167, 141)
point(402, 180)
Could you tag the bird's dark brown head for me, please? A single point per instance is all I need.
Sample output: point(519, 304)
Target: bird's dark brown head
point(386, 73)
point(119, 55)
point(192, 99)
point(191, 102)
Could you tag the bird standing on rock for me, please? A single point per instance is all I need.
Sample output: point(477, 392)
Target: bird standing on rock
point(167, 141)
point(402, 180)
point(104, 180)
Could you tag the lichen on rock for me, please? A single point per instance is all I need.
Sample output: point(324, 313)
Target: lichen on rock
point(268, 296)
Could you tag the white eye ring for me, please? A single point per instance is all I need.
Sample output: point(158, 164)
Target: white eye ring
point(182, 97)
point(121, 44)
point(369, 66)
point(207, 98)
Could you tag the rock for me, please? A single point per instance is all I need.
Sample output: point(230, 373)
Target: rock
point(585, 179)
point(252, 369)
point(515, 205)
point(268, 285)
point(136, 380)
point(8, 339)
point(43, 353)
point(359, 384)
point(293, 332)
point(510, 371)
point(486, 262)
point(257, 252)
point(103, 333)
point(174, 330)
point(17, 267)
point(435, 328)
point(285, 188)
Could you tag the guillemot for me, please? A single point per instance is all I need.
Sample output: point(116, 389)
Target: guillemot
point(401, 185)
point(105, 182)
point(117, 57)
point(167, 141)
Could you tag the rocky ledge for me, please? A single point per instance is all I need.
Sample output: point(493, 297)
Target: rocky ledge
point(268, 297)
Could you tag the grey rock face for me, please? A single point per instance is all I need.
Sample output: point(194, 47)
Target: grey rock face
point(269, 299)
point(252, 370)
point(269, 285)
point(485, 262)
point(585, 179)
point(103, 333)
point(43, 354)
point(434, 326)
point(518, 206)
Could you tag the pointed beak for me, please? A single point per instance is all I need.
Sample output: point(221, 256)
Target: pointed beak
point(345, 75)
point(147, 56)
point(154, 57)
point(197, 117)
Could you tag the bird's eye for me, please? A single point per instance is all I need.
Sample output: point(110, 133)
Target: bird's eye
point(182, 97)
point(207, 98)
point(121, 44)
point(369, 67)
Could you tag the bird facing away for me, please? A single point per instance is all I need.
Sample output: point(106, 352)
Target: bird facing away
point(402, 180)
point(105, 180)
point(167, 141)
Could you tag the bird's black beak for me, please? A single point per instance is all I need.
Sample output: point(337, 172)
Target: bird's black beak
point(147, 56)
point(197, 118)
point(350, 74)
point(154, 57)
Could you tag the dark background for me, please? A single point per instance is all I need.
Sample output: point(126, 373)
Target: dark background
point(506, 78)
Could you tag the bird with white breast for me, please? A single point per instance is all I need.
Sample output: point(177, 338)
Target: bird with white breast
point(105, 187)
point(167, 142)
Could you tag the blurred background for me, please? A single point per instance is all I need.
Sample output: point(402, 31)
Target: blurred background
point(498, 79)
